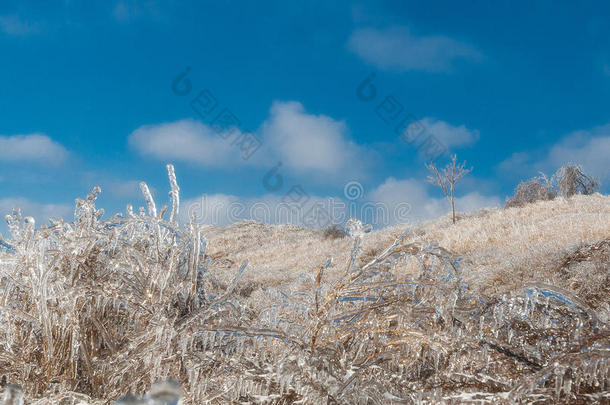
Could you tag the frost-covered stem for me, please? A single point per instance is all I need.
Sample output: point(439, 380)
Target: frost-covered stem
point(452, 204)
point(174, 193)
point(196, 233)
point(150, 203)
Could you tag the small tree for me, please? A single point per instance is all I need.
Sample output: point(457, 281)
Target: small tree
point(447, 178)
point(571, 179)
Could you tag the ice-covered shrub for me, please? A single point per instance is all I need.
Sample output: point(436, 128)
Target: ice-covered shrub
point(567, 181)
point(571, 179)
point(106, 307)
point(536, 189)
point(94, 309)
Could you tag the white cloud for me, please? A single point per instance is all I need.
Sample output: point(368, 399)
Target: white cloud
point(397, 48)
point(590, 149)
point(224, 209)
point(475, 201)
point(302, 142)
point(186, 140)
point(393, 202)
point(35, 148)
point(518, 163)
point(113, 186)
point(40, 212)
point(449, 135)
point(211, 209)
point(423, 206)
point(122, 189)
point(307, 142)
point(14, 25)
point(413, 192)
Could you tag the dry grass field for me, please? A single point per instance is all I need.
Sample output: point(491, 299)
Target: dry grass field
point(502, 249)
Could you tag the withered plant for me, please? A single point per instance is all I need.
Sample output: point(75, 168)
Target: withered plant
point(94, 309)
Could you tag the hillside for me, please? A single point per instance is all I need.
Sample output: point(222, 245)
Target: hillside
point(506, 304)
point(563, 242)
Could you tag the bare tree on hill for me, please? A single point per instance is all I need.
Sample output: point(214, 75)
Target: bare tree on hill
point(446, 179)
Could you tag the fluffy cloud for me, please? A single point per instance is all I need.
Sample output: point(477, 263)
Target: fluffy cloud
point(211, 209)
point(392, 193)
point(587, 148)
point(449, 135)
point(34, 148)
point(186, 140)
point(306, 142)
point(398, 48)
point(224, 209)
point(122, 189)
point(315, 144)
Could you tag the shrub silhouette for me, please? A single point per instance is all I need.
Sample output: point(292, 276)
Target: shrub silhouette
point(567, 181)
point(571, 180)
point(536, 189)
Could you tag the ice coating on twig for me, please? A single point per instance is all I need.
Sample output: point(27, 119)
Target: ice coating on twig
point(174, 193)
point(150, 202)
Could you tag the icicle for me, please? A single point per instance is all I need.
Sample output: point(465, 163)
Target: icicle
point(283, 382)
point(162, 211)
point(174, 193)
point(558, 381)
point(567, 385)
point(150, 202)
point(237, 277)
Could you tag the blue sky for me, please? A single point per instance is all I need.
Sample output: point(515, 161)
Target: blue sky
point(513, 88)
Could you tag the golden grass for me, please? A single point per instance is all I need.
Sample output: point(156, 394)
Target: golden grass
point(501, 248)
